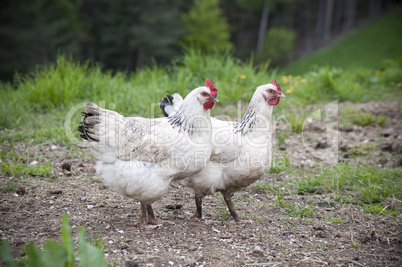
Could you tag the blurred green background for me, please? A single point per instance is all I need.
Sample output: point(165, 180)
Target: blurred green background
point(127, 35)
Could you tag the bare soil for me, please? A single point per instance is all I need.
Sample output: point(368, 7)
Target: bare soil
point(33, 213)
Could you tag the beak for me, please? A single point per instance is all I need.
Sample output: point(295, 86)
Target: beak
point(281, 95)
point(215, 99)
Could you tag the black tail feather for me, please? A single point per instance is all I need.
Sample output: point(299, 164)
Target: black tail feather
point(85, 128)
point(166, 101)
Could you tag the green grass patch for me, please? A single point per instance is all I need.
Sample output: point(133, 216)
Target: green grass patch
point(360, 48)
point(379, 209)
point(370, 184)
point(280, 163)
point(19, 169)
point(294, 209)
point(360, 118)
point(296, 122)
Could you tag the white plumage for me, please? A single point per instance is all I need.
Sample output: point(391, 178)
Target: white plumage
point(242, 151)
point(139, 157)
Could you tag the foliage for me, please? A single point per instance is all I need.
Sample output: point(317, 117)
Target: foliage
point(133, 33)
point(207, 28)
point(278, 43)
point(36, 31)
point(40, 102)
point(55, 254)
point(359, 48)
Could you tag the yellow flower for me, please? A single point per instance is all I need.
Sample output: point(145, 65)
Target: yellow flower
point(378, 72)
point(242, 76)
point(285, 79)
point(290, 76)
point(303, 80)
point(298, 77)
point(288, 91)
point(398, 84)
point(291, 87)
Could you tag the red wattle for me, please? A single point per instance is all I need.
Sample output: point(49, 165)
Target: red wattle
point(209, 105)
point(274, 101)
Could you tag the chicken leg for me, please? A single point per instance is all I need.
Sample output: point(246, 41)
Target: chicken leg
point(227, 196)
point(198, 213)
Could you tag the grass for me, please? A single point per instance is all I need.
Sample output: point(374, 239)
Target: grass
point(296, 122)
point(294, 209)
point(280, 163)
point(371, 185)
point(19, 169)
point(45, 106)
point(362, 118)
point(361, 48)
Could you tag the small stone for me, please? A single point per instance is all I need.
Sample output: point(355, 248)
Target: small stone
point(82, 198)
point(90, 207)
point(171, 263)
point(386, 146)
point(35, 162)
point(215, 230)
point(20, 190)
point(258, 250)
point(309, 162)
point(107, 227)
point(180, 216)
point(131, 264)
point(53, 147)
point(66, 166)
point(321, 145)
point(56, 192)
point(175, 206)
point(346, 129)
point(270, 258)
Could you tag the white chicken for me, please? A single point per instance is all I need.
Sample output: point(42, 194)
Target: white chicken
point(242, 151)
point(139, 157)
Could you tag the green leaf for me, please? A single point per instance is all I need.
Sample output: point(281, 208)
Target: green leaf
point(34, 255)
point(54, 254)
point(88, 254)
point(67, 241)
point(5, 254)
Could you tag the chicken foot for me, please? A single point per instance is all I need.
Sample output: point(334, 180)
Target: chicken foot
point(153, 220)
point(149, 222)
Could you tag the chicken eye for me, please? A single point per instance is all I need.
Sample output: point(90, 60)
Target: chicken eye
point(271, 91)
point(204, 94)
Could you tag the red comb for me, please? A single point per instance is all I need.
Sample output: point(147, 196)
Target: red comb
point(211, 86)
point(273, 82)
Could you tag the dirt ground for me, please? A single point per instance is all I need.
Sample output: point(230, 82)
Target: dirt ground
point(33, 213)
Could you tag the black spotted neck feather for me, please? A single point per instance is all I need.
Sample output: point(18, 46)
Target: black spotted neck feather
point(249, 119)
point(187, 119)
